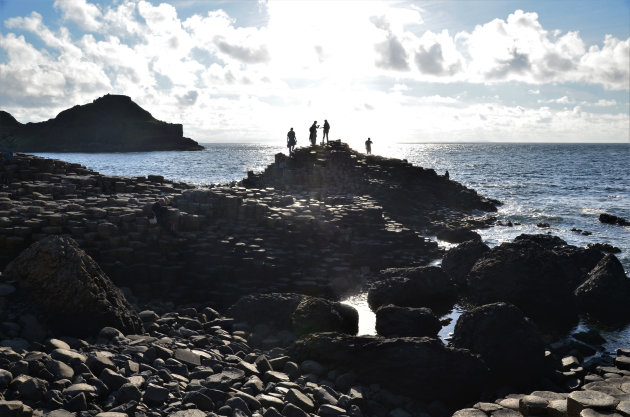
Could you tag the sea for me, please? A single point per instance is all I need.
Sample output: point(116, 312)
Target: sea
point(563, 185)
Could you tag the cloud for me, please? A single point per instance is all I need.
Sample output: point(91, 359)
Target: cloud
point(243, 54)
point(357, 62)
point(391, 54)
point(87, 16)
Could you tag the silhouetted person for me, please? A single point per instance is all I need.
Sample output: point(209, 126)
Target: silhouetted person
point(368, 146)
point(446, 174)
point(326, 130)
point(313, 133)
point(165, 217)
point(291, 141)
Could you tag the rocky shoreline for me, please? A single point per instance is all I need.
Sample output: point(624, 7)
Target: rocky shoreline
point(237, 312)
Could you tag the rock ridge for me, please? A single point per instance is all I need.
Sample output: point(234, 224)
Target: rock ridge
point(111, 123)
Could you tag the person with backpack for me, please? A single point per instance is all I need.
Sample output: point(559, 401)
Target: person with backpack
point(291, 141)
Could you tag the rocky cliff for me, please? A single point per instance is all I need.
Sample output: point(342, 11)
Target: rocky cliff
point(112, 123)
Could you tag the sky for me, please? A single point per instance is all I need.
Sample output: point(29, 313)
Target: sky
point(396, 71)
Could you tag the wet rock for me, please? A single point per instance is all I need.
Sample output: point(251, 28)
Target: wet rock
point(606, 291)
point(319, 315)
point(413, 287)
point(401, 364)
point(458, 261)
point(71, 288)
point(458, 235)
point(394, 321)
point(506, 340)
point(537, 283)
point(611, 219)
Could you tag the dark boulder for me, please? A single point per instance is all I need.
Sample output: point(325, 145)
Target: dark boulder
point(458, 235)
point(394, 321)
point(610, 219)
point(506, 340)
point(527, 275)
point(320, 315)
point(606, 291)
point(299, 313)
point(459, 260)
point(414, 287)
point(422, 368)
point(546, 241)
point(65, 283)
point(577, 262)
point(274, 309)
point(604, 247)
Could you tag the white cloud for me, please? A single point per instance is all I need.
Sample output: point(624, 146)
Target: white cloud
point(80, 12)
point(359, 64)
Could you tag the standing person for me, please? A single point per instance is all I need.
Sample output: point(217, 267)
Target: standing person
point(368, 146)
point(291, 141)
point(313, 133)
point(326, 130)
point(166, 218)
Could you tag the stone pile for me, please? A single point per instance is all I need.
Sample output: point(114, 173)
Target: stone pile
point(191, 363)
point(605, 393)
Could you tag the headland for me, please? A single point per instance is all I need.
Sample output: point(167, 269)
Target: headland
point(112, 123)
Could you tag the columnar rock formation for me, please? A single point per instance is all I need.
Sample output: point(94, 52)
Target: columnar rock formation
point(316, 236)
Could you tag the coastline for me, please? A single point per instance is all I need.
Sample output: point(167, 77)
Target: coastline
point(282, 210)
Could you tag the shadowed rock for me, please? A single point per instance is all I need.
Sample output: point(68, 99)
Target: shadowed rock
point(507, 341)
point(394, 321)
point(299, 313)
point(64, 282)
point(525, 274)
point(413, 287)
point(606, 291)
point(610, 219)
point(402, 364)
point(459, 260)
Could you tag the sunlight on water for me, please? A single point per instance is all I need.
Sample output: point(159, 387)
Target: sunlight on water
point(367, 318)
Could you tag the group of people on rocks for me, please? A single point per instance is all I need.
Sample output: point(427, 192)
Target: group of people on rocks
point(312, 137)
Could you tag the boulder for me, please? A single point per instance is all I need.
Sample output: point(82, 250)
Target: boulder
point(458, 235)
point(506, 340)
point(611, 219)
point(606, 291)
point(525, 274)
point(402, 365)
point(70, 288)
point(394, 321)
point(273, 309)
point(459, 260)
point(577, 262)
point(546, 241)
point(414, 287)
point(320, 315)
point(299, 313)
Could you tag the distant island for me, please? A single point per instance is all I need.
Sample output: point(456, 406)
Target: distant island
point(112, 123)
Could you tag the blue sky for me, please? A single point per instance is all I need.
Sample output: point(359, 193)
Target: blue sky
point(399, 71)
